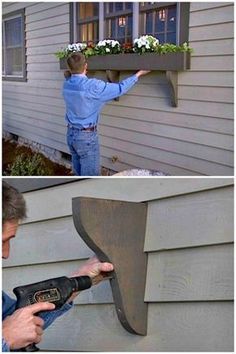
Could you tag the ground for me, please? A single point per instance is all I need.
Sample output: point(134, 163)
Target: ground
point(11, 150)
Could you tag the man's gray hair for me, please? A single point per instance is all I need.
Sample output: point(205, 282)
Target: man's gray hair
point(13, 204)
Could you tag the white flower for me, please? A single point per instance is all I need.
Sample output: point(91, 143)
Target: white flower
point(108, 50)
point(76, 47)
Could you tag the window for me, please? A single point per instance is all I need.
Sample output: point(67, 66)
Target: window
point(159, 21)
point(87, 22)
point(124, 21)
point(118, 21)
point(13, 47)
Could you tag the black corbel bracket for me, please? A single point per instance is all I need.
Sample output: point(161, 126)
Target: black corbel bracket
point(115, 231)
point(172, 78)
point(113, 76)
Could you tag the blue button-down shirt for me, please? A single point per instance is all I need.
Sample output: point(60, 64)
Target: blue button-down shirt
point(84, 98)
point(9, 306)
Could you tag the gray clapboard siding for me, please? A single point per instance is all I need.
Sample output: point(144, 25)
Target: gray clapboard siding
point(46, 242)
point(194, 274)
point(171, 327)
point(220, 110)
point(38, 7)
point(48, 31)
point(200, 219)
point(48, 13)
point(211, 32)
point(133, 160)
point(166, 157)
point(160, 130)
point(225, 94)
point(116, 189)
point(177, 119)
point(217, 78)
point(42, 24)
point(213, 47)
point(201, 6)
point(162, 144)
point(46, 49)
point(55, 101)
point(8, 7)
point(214, 15)
point(222, 63)
point(28, 134)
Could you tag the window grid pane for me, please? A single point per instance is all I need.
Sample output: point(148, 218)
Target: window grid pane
point(13, 46)
point(87, 29)
point(160, 23)
point(118, 27)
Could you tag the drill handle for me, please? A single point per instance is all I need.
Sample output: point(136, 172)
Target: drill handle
point(30, 348)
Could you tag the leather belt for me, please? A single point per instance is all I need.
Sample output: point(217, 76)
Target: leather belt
point(90, 129)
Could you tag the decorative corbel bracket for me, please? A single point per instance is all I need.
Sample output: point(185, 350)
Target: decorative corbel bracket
point(113, 76)
point(115, 231)
point(172, 78)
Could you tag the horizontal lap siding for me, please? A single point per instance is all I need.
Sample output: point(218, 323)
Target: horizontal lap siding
point(183, 327)
point(35, 109)
point(189, 284)
point(205, 107)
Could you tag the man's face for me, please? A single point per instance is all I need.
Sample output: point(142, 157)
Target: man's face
point(8, 231)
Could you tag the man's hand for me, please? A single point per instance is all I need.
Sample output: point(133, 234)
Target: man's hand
point(95, 270)
point(23, 327)
point(142, 72)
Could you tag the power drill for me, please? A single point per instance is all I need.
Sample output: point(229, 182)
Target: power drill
point(57, 291)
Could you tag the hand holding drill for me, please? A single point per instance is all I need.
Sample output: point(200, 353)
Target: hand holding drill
point(25, 327)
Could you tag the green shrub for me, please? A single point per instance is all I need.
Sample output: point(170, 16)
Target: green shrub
point(25, 165)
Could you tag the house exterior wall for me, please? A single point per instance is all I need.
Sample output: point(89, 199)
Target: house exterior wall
point(189, 283)
point(142, 129)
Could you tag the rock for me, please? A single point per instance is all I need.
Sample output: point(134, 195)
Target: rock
point(140, 172)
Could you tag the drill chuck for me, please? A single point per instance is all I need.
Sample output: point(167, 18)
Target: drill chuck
point(81, 283)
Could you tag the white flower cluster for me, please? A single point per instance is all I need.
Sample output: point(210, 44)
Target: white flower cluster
point(146, 41)
point(108, 42)
point(76, 47)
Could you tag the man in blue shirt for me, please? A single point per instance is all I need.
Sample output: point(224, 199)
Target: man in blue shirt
point(23, 326)
point(84, 99)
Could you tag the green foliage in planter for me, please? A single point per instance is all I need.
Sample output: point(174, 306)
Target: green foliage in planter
point(158, 49)
point(29, 166)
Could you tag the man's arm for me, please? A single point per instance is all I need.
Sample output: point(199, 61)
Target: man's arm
point(106, 91)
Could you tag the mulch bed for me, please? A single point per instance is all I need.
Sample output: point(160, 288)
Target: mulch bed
point(11, 149)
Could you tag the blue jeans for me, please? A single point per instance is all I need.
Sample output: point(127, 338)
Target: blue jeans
point(84, 149)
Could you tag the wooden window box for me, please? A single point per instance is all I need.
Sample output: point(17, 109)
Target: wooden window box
point(172, 63)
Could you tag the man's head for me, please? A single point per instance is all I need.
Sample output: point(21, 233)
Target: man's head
point(77, 63)
point(13, 210)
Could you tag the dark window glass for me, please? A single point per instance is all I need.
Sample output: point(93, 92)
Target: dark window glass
point(158, 21)
point(171, 37)
point(149, 23)
point(171, 20)
point(118, 6)
point(87, 22)
point(118, 26)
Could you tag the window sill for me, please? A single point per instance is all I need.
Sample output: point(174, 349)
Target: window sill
point(172, 63)
point(14, 78)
